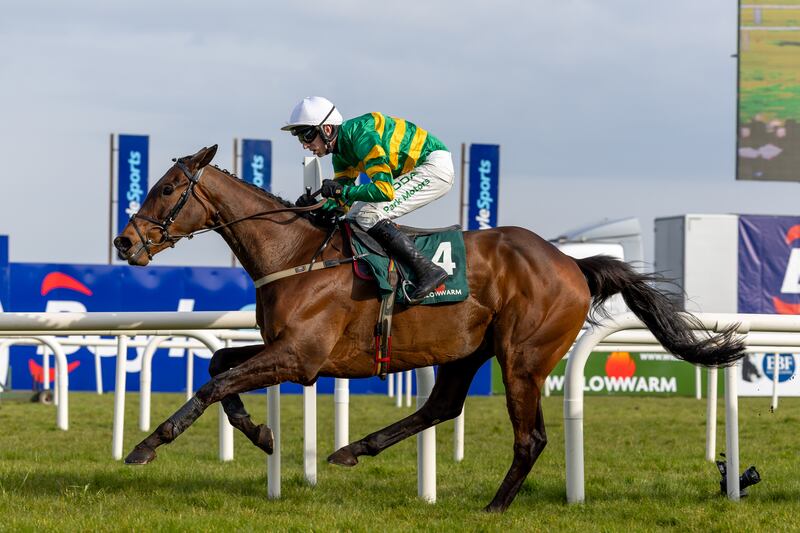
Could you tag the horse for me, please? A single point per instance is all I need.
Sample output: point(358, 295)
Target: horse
point(527, 303)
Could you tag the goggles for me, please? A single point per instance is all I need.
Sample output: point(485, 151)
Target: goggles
point(305, 134)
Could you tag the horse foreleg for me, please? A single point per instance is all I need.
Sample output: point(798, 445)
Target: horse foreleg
point(259, 434)
point(269, 367)
point(445, 402)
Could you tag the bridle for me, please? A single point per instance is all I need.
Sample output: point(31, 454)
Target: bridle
point(163, 225)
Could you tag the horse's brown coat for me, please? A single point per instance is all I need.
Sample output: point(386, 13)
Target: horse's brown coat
point(527, 304)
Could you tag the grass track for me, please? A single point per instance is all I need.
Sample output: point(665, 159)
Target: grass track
point(645, 472)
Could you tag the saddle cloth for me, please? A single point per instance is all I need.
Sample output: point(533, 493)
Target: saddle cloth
point(444, 246)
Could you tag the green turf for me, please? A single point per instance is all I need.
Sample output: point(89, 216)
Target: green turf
point(644, 471)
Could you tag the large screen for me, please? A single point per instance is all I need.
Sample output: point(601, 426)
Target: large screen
point(768, 136)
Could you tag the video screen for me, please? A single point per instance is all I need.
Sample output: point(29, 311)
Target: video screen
point(768, 123)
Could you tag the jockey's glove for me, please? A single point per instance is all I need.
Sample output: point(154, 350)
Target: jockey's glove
point(331, 189)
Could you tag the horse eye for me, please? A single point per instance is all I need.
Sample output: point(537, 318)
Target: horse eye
point(167, 190)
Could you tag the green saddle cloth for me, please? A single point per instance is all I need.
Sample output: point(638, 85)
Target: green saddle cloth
point(445, 248)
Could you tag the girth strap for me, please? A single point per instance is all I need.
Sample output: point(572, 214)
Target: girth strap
point(308, 267)
point(383, 328)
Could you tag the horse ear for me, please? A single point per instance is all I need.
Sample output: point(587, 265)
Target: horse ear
point(206, 155)
point(203, 157)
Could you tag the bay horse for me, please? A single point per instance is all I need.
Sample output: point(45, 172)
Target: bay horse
point(527, 302)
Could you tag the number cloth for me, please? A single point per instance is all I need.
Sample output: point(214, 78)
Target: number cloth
point(445, 248)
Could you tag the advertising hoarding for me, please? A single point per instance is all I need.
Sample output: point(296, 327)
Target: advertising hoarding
point(257, 163)
point(132, 175)
point(484, 176)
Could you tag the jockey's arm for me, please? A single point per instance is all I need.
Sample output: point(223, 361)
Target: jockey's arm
point(376, 165)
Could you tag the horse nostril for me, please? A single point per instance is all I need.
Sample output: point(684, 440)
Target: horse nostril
point(122, 244)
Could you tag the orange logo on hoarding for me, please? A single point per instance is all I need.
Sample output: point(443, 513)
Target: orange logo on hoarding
point(620, 365)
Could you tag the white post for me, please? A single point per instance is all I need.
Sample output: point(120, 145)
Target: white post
point(189, 373)
point(55, 387)
point(341, 402)
point(732, 430)
point(225, 428)
point(274, 460)
point(62, 381)
point(399, 390)
point(408, 388)
point(775, 375)
point(426, 441)
point(225, 433)
point(711, 415)
point(46, 368)
point(458, 437)
point(698, 383)
point(145, 381)
point(310, 434)
point(98, 371)
point(390, 385)
point(119, 397)
point(573, 400)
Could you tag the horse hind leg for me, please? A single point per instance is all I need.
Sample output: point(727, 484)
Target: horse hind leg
point(445, 402)
point(524, 372)
point(259, 434)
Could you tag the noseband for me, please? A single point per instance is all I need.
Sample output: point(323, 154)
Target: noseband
point(164, 225)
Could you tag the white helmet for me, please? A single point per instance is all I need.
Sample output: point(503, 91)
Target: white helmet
point(313, 111)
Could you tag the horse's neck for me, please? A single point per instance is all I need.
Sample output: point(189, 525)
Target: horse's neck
point(266, 244)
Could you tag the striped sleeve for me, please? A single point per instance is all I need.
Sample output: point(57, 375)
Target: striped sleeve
point(369, 150)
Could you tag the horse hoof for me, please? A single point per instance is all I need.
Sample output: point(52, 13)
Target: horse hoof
point(343, 457)
point(265, 440)
point(140, 456)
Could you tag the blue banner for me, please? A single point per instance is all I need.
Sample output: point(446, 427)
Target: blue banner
point(769, 264)
point(257, 163)
point(132, 167)
point(81, 288)
point(484, 175)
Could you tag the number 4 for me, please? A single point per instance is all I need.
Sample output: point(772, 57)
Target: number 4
point(444, 257)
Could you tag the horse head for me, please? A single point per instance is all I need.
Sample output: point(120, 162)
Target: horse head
point(171, 210)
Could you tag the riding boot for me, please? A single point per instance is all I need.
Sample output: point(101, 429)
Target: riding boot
point(428, 275)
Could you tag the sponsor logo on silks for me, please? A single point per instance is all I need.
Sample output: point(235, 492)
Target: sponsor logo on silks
point(620, 369)
point(786, 366)
point(135, 190)
point(406, 194)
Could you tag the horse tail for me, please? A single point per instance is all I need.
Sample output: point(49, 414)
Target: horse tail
point(607, 276)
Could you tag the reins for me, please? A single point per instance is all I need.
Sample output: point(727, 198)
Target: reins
point(163, 225)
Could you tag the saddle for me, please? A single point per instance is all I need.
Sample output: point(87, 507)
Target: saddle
point(444, 246)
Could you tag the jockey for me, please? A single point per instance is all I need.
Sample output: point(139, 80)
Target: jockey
point(407, 166)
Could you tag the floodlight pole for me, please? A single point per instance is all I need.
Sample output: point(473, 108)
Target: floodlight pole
point(235, 173)
point(110, 197)
point(462, 202)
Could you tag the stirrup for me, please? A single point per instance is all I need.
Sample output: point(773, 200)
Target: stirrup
point(403, 286)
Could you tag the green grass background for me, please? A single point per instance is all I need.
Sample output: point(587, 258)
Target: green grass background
point(644, 472)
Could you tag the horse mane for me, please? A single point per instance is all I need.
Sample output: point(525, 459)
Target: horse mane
point(259, 191)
